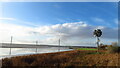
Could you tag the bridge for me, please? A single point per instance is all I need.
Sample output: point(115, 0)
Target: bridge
point(37, 46)
point(8, 45)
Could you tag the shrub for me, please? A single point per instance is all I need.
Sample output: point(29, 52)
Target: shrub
point(114, 48)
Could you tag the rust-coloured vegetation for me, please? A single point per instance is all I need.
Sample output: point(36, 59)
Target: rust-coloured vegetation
point(64, 59)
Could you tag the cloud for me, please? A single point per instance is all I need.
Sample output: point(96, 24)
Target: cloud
point(70, 33)
point(56, 6)
point(101, 21)
point(16, 21)
point(8, 30)
point(2, 18)
point(98, 20)
point(60, 20)
point(77, 30)
point(116, 21)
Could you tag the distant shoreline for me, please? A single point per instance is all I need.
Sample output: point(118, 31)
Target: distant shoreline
point(14, 45)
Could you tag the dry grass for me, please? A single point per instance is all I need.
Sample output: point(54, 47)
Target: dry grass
point(113, 49)
point(64, 59)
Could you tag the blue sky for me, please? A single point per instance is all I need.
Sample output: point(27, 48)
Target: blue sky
point(77, 20)
point(43, 13)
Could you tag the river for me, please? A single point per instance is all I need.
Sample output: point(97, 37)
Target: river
point(4, 52)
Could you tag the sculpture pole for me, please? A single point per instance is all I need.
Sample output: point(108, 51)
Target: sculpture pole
point(97, 33)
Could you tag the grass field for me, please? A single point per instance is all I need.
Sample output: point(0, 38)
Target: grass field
point(86, 49)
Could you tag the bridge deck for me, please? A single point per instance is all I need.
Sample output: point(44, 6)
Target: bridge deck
point(7, 45)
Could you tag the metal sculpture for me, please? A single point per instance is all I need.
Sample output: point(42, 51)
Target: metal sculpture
point(97, 33)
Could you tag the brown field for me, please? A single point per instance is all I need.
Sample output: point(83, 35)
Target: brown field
point(64, 59)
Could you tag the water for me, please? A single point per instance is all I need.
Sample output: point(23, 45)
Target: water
point(4, 52)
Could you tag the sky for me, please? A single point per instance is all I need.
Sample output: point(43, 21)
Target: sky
point(46, 22)
point(59, 0)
